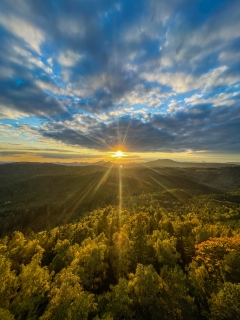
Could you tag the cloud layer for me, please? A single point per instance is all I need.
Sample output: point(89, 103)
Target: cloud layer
point(151, 76)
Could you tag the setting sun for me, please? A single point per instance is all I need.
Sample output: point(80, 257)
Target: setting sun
point(119, 153)
point(119, 156)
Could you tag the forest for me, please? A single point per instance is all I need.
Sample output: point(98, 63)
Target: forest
point(171, 250)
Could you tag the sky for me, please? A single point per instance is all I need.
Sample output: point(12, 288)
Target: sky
point(81, 79)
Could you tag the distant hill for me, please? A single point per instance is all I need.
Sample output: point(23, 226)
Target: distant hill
point(160, 163)
point(72, 164)
point(172, 163)
point(236, 163)
point(32, 194)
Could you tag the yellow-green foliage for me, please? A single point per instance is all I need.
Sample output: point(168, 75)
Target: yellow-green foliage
point(154, 260)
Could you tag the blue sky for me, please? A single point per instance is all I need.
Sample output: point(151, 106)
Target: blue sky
point(81, 79)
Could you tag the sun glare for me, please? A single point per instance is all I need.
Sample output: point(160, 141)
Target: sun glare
point(119, 154)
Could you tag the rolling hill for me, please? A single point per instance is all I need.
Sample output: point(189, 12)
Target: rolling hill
point(34, 194)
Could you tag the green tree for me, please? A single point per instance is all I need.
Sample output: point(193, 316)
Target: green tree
point(34, 284)
point(139, 237)
point(230, 267)
point(201, 286)
point(90, 263)
point(8, 282)
point(67, 298)
point(145, 292)
point(166, 253)
point(5, 315)
point(60, 250)
point(225, 305)
point(121, 253)
point(178, 303)
point(119, 304)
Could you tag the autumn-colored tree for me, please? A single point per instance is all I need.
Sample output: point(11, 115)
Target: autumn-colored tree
point(211, 252)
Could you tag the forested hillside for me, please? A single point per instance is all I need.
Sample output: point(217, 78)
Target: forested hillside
point(34, 195)
point(171, 254)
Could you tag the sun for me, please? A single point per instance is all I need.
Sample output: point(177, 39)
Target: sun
point(119, 154)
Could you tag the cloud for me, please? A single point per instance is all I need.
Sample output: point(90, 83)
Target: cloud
point(68, 58)
point(24, 30)
point(71, 27)
point(182, 82)
point(8, 113)
point(132, 134)
point(198, 128)
point(154, 75)
point(222, 99)
point(31, 61)
point(26, 98)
